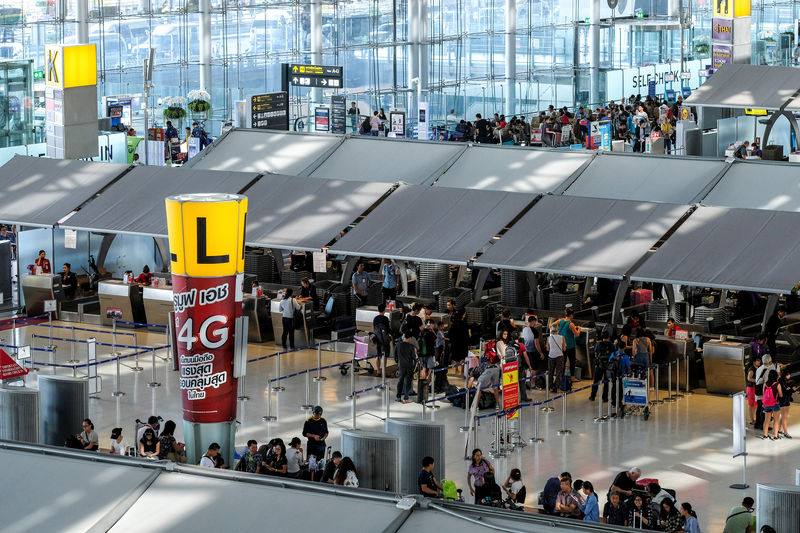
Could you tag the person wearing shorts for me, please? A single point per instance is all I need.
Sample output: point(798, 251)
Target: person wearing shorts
point(490, 379)
point(750, 389)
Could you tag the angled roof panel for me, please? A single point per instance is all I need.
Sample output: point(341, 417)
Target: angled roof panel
point(513, 169)
point(747, 86)
point(582, 236)
point(758, 185)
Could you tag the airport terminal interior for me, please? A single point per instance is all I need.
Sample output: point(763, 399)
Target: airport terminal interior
point(511, 265)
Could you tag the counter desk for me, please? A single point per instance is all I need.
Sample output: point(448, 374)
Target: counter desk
point(122, 301)
point(303, 334)
point(38, 288)
point(259, 324)
point(668, 350)
point(724, 362)
point(157, 305)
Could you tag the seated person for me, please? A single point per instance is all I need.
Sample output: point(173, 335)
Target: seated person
point(567, 502)
point(119, 444)
point(276, 464)
point(88, 437)
point(331, 466)
point(515, 489)
point(491, 490)
point(615, 512)
point(149, 445)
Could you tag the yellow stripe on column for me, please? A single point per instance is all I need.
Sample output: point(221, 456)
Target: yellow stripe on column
point(206, 234)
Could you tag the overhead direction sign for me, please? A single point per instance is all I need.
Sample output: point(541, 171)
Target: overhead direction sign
point(312, 76)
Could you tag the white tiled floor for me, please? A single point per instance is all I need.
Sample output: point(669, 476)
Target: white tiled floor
point(686, 445)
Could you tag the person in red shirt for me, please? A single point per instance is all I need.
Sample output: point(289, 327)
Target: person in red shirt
point(44, 263)
point(145, 278)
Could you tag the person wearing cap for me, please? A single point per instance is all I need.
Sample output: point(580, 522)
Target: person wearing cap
point(315, 429)
point(119, 444)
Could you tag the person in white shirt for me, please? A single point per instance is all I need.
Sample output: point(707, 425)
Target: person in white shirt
point(556, 345)
point(207, 460)
point(294, 458)
point(119, 444)
point(288, 306)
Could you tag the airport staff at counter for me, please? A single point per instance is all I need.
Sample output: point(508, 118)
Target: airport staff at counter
point(42, 264)
point(69, 281)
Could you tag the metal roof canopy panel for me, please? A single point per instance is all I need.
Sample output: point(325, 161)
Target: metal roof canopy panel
point(81, 495)
point(433, 224)
point(513, 169)
point(135, 203)
point(187, 502)
point(758, 185)
point(38, 191)
point(301, 213)
point(645, 178)
point(582, 236)
point(388, 160)
point(748, 249)
point(747, 86)
point(265, 151)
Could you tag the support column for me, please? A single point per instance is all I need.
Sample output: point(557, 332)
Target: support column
point(616, 310)
point(316, 44)
point(510, 85)
point(204, 35)
point(413, 55)
point(594, 54)
point(423, 48)
point(83, 21)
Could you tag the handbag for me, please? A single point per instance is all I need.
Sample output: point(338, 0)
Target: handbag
point(298, 316)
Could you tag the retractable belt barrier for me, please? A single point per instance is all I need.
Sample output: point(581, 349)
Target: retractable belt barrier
point(141, 324)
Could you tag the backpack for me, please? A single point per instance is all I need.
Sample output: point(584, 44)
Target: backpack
point(603, 353)
point(614, 365)
point(512, 352)
point(449, 490)
point(770, 398)
point(490, 353)
point(382, 335)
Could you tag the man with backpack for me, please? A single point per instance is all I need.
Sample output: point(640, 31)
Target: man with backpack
point(383, 337)
point(618, 364)
point(602, 354)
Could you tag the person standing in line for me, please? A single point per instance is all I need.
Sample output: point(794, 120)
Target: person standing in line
point(288, 306)
point(555, 364)
point(381, 327)
point(315, 429)
point(389, 280)
point(761, 376)
point(405, 354)
point(568, 330)
point(374, 124)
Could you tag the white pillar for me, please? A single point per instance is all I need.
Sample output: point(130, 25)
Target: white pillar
point(510, 83)
point(83, 21)
point(413, 54)
point(205, 45)
point(423, 46)
point(594, 54)
point(316, 44)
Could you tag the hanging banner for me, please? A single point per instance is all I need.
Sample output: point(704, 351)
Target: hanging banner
point(398, 123)
point(206, 239)
point(339, 114)
point(422, 121)
point(739, 427)
point(322, 119)
point(511, 388)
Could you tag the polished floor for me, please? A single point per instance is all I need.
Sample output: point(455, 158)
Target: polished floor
point(686, 444)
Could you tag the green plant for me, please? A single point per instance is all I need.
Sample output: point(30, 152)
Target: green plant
point(174, 113)
point(198, 106)
point(701, 49)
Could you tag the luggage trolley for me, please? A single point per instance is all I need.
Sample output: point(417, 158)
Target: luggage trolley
point(634, 396)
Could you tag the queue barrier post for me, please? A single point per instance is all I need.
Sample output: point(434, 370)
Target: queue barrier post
point(136, 367)
point(535, 439)
point(519, 441)
point(600, 418)
point(475, 422)
point(465, 427)
point(33, 367)
point(50, 329)
point(383, 371)
point(72, 359)
point(657, 400)
point(677, 394)
point(306, 406)
point(117, 393)
point(497, 450)
point(387, 398)
point(153, 384)
point(269, 417)
point(669, 398)
point(319, 377)
point(687, 391)
point(53, 359)
point(564, 430)
point(278, 387)
point(352, 396)
point(547, 408)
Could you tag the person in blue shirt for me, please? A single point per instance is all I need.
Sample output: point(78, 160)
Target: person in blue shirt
point(590, 508)
point(551, 489)
point(389, 280)
point(690, 525)
point(360, 283)
point(172, 131)
point(615, 370)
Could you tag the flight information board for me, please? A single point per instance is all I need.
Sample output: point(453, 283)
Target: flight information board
point(270, 111)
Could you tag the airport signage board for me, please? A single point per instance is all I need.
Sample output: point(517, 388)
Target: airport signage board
point(325, 76)
point(270, 111)
point(339, 114)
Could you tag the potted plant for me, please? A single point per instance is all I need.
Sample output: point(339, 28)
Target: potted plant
point(174, 110)
point(199, 103)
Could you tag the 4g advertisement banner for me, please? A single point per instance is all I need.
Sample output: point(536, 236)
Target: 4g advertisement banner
point(206, 241)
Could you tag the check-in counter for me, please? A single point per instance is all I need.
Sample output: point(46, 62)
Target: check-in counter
point(365, 315)
point(723, 362)
point(122, 301)
point(259, 324)
point(669, 349)
point(302, 332)
point(584, 349)
point(37, 289)
point(157, 305)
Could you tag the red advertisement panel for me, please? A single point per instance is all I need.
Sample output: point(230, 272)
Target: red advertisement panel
point(205, 313)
